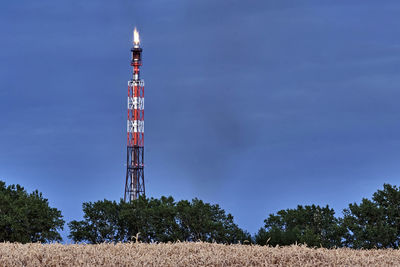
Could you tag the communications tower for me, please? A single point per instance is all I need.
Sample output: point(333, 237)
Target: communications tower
point(134, 185)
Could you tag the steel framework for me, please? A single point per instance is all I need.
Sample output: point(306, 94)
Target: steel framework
point(134, 185)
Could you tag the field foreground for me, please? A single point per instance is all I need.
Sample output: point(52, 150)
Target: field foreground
point(188, 254)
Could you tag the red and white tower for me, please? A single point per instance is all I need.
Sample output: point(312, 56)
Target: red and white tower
point(134, 185)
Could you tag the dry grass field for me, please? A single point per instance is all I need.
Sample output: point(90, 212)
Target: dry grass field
point(188, 254)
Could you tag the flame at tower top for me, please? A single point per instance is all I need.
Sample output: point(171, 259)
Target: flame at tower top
point(136, 39)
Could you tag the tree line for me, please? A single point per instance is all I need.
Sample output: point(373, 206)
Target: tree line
point(373, 223)
point(155, 220)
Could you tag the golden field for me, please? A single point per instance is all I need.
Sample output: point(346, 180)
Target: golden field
point(189, 254)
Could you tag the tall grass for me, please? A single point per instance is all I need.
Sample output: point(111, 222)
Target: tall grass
point(189, 254)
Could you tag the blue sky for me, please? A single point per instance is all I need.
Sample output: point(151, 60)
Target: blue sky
point(255, 105)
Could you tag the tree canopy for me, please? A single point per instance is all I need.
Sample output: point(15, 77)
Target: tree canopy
point(27, 217)
point(155, 220)
point(312, 225)
point(374, 223)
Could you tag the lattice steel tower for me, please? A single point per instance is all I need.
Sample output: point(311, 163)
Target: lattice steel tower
point(134, 185)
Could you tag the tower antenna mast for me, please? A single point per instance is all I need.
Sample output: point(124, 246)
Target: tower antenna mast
point(134, 185)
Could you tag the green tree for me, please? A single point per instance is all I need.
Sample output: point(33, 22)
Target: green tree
point(206, 222)
point(155, 220)
point(101, 223)
point(312, 225)
point(27, 217)
point(374, 223)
